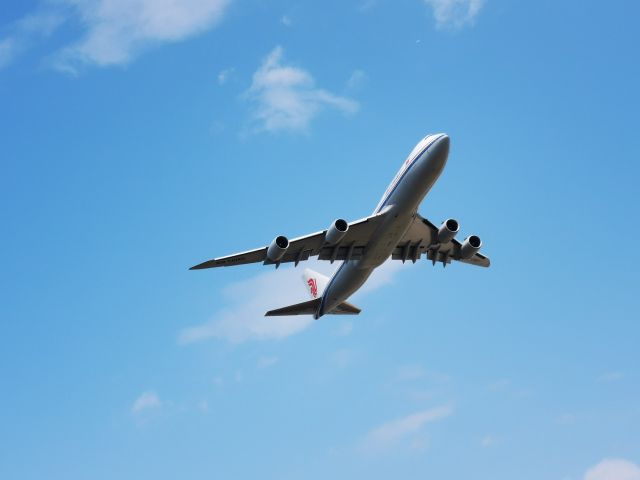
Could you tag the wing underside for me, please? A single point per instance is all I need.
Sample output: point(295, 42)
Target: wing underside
point(419, 240)
point(351, 247)
point(422, 239)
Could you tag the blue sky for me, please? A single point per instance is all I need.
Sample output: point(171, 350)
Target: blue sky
point(141, 137)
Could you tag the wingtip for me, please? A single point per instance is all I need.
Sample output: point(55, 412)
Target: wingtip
point(200, 266)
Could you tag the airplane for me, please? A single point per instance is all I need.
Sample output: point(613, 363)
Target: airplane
point(395, 229)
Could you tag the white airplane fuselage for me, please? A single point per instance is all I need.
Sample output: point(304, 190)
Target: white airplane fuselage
point(398, 208)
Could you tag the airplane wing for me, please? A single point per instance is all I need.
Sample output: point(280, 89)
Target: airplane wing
point(350, 247)
point(422, 237)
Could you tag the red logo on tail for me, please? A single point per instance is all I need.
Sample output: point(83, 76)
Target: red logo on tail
point(313, 286)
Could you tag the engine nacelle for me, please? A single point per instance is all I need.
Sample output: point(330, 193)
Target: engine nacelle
point(470, 246)
point(278, 248)
point(448, 230)
point(336, 232)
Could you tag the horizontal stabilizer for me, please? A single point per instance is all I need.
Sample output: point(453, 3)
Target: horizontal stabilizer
point(345, 308)
point(304, 308)
point(311, 308)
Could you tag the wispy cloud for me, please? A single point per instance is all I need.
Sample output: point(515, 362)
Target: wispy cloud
point(407, 373)
point(43, 22)
point(487, 441)
point(499, 385)
point(284, 97)
point(224, 75)
point(342, 358)
point(613, 469)
point(366, 5)
point(116, 31)
point(266, 362)
point(610, 377)
point(390, 434)
point(7, 51)
point(356, 79)
point(247, 301)
point(147, 400)
point(455, 13)
point(566, 419)
point(286, 20)
point(344, 329)
point(243, 319)
point(412, 372)
point(26, 31)
point(203, 406)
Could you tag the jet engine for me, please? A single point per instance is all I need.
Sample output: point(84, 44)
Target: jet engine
point(448, 230)
point(336, 231)
point(470, 246)
point(278, 248)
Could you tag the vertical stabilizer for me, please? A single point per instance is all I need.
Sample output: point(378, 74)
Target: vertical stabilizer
point(315, 283)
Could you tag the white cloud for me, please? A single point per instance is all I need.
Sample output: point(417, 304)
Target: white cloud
point(455, 13)
point(248, 301)
point(7, 51)
point(43, 22)
point(224, 75)
point(266, 362)
point(285, 98)
point(118, 30)
point(24, 32)
point(390, 434)
point(613, 469)
point(145, 401)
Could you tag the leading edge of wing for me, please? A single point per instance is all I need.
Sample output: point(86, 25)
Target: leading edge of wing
point(312, 240)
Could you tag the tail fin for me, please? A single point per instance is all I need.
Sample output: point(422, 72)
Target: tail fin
point(315, 282)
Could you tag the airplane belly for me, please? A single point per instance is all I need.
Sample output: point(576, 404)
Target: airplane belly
point(387, 236)
point(402, 204)
point(405, 201)
point(347, 280)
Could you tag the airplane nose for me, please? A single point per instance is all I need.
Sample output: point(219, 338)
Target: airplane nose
point(441, 147)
